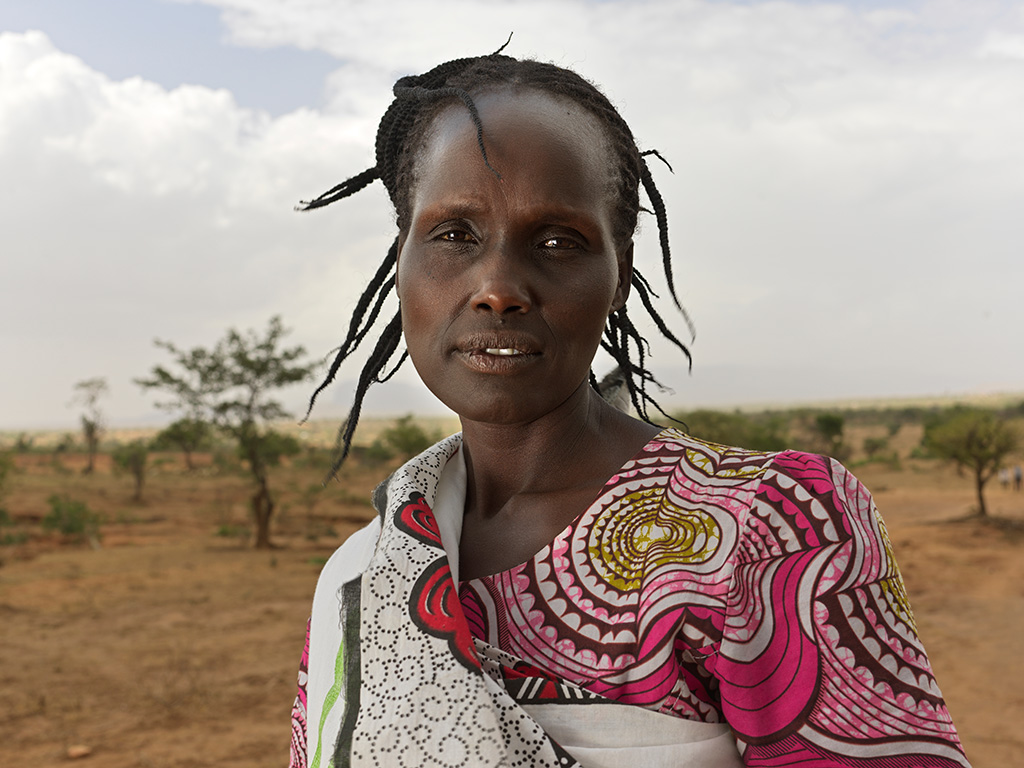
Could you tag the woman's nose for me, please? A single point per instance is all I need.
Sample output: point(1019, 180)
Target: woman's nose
point(502, 286)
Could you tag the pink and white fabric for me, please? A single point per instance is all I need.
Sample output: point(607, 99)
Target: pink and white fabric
point(713, 606)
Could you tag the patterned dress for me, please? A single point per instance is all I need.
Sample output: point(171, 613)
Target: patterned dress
point(719, 584)
point(713, 584)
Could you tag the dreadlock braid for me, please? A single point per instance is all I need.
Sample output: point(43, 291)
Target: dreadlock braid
point(380, 286)
point(402, 134)
point(426, 94)
point(378, 360)
point(346, 188)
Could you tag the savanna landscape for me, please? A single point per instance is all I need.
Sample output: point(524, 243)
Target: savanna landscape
point(145, 630)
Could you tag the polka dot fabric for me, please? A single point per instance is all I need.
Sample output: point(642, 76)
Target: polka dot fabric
point(423, 698)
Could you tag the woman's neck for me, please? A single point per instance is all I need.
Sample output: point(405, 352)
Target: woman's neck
point(525, 483)
point(581, 443)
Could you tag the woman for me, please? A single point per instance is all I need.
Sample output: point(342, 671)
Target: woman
point(562, 584)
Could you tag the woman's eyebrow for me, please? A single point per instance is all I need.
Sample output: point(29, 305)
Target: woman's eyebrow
point(567, 214)
point(456, 209)
point(563, 215)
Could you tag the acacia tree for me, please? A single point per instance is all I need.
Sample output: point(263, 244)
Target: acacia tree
point(132, 458)
point(87, 393)
point(229, 386)
point(187, 434)
point(976, 441)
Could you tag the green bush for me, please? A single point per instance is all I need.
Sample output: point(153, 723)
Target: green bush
point(873, 446)
point(829, 428)
point(407, 438)
point(132, 458)
point(761, 433)
point(922, 452)
point(13, 539)
point(66, 444)
point(72, 518)
point(233, 531)
point(376, 453)
point(6, 469)
point(315, 457)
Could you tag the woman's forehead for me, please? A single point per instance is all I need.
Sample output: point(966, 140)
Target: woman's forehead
point(513, 116)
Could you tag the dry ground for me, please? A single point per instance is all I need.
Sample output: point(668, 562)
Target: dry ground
point(173, 646)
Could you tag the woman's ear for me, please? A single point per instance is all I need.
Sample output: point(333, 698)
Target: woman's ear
point(625, 264)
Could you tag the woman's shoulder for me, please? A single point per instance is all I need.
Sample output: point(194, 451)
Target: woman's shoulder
point(734, 462)
point(754, 477)
point(698, 458)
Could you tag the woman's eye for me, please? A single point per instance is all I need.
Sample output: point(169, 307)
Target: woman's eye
point(559, 243)
point(456, 236)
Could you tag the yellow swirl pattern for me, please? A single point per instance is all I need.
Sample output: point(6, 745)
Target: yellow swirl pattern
point(711, 467)
point(646, 532)
point(892, 587)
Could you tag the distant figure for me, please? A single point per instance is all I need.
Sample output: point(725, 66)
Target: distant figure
point(1004, 478)
point(1017, 477)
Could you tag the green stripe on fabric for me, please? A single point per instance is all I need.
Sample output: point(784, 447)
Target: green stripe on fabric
point(330, 701)
point(350, 608)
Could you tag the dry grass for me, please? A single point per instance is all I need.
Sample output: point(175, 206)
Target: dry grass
point(175, 646)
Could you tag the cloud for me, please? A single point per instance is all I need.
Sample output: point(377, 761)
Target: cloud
point(1001, 45)
point(846, 193)
point(835, 165)
point(132, 212)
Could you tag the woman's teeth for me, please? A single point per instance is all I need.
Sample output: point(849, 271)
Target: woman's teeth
point(504, 351)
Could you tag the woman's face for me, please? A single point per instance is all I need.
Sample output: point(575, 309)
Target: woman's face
point(506, 284)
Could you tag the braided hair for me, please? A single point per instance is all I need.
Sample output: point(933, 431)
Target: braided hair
point(401, 135)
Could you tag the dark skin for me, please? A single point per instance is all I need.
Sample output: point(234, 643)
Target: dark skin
point(505, 287)
point(525, 485)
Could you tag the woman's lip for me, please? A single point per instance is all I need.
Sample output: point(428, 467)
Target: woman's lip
point(487, 361)
point(504, 344)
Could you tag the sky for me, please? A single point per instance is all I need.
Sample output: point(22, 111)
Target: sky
point(845, 207)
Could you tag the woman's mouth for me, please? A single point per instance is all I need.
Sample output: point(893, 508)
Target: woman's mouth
point(498, 353)
point(503, 351)
point(498, 360)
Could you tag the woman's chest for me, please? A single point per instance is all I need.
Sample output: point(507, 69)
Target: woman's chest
point(624, 603)
point(492, 543)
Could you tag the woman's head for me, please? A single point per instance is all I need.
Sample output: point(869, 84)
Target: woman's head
point(403, 134)
point(506, 284)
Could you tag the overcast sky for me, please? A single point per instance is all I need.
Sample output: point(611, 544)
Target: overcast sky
point(847, 208)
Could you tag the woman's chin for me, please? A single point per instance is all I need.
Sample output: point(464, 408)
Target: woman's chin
point(509, 406)
point(497, 411)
